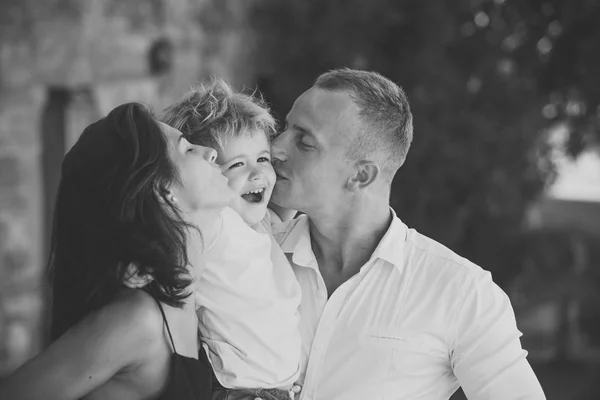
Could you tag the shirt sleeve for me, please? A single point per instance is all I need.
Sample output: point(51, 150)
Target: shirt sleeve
point(487, 357)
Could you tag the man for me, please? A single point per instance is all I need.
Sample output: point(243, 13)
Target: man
point(387, 313)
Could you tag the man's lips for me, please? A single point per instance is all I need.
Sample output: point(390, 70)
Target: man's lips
point(279, 175)
point(277, 167)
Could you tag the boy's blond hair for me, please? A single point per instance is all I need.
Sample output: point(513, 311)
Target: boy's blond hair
point(211, 114)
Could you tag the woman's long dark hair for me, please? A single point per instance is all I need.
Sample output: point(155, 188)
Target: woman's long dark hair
point(111, 210)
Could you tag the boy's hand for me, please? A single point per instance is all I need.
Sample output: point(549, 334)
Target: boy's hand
point(292, 392)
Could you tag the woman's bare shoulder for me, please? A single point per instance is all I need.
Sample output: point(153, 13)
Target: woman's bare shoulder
point(123, 334)
point(131, 321)
point(135, 311)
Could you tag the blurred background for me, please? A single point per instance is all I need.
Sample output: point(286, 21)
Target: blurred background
point(504, 168)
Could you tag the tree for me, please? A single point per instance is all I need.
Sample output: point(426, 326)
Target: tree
point(486, 81)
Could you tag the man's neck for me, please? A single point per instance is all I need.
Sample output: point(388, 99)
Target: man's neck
point(344, 241)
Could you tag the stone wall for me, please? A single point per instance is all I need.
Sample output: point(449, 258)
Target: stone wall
point(21, 296)
point(64, 71)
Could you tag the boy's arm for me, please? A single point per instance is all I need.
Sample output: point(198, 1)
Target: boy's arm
point(280, 214)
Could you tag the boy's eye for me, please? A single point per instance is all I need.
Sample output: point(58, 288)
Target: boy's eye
point(190, 150)
point(236, 165)
point(264, 159)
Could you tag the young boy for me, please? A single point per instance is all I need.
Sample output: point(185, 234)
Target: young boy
point(247, 292)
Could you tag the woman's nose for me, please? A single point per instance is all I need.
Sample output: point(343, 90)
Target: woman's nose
point(210, 155)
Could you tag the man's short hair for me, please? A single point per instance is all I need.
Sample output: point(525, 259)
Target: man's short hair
point(211, 114)
point(384, 112)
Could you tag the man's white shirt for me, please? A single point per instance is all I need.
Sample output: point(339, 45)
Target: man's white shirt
point(416, 322)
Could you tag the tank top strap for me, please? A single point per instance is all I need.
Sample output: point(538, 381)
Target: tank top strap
point(164, 317)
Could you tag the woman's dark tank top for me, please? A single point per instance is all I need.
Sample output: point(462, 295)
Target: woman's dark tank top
point(189, 379)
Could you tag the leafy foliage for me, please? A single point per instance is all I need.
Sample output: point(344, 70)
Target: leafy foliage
point(486, 80)
point(17, 17)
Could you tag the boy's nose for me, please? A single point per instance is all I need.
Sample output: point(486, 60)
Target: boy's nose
point(256, 174)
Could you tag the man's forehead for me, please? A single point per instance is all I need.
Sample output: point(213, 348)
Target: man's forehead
point(324, 104)
point(318, 109)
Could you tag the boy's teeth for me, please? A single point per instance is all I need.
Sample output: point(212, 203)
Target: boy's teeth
point(256, 191)
point(254, 196)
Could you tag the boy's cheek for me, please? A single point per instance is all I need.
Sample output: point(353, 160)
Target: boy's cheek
point(230, 178)
point(271, 177)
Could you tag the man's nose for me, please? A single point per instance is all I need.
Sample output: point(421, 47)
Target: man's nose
point(278, 145)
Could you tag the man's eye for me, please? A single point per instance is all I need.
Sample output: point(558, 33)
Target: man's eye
point(190, 150)
point(304, 146)
point(263, 159)
point(236, 165)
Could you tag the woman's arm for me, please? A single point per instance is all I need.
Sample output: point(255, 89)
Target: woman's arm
point(88, 354)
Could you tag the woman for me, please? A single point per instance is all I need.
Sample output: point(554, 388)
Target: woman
point(133, 192)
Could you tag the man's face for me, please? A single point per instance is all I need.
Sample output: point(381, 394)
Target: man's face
point(310, 155)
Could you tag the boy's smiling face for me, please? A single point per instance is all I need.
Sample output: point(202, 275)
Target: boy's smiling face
point(246, 162)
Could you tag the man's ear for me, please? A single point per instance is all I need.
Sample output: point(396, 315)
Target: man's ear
point(365, 173)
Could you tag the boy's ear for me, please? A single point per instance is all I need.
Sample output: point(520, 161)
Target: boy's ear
point(133, 279)
point(366, 172)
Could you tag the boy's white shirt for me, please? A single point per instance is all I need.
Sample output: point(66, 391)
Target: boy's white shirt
point(248, 300)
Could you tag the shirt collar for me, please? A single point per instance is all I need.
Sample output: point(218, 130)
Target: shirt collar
point(298, 243)
point(390, 248)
